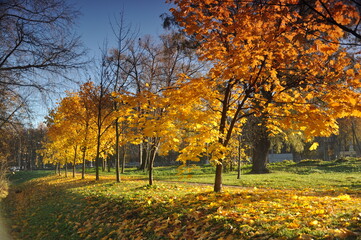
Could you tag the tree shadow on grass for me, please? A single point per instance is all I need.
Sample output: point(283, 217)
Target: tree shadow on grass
point(60, 208)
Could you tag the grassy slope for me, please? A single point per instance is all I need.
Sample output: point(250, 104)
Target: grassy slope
point(54, 207)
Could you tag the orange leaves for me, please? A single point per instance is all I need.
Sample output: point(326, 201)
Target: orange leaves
point(289, 72)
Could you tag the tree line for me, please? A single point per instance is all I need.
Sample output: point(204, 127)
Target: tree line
point(231, 75)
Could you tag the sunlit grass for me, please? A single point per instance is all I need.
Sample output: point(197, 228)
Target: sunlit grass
point(64, 208)
point(310, 200)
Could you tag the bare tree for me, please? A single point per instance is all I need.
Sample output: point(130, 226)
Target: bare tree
point(36, 43)
point(121, 72)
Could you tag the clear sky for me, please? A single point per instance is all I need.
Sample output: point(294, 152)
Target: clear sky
point(94, 23)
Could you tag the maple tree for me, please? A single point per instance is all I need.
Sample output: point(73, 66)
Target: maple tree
point(272, 61)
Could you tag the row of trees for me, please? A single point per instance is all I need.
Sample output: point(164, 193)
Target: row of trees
point(279, 68)
point(235, 73)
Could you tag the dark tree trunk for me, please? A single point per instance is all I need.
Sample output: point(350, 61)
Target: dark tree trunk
point(123, 158)
point(59, 172)
point(261, 147)
point(74, 169)
point(141, 156)
point(97, 157)
point(145, 156)
point(218, 178)
point(117, 154)
point(109, 163)
point(66, 168)
point(239, 159)
point(152, 153)
point(83, 165)
point(74, 160)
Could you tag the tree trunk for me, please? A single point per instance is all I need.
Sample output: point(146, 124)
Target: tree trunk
point(74, 169)
point(218, 177)
point(153, 152)
point(260, 155)
point(83, 165)
point(150, 167)
point(123, 158)
point(66, 168)
point(74, 160)
point(109, 163)
point(145, 156)
point(239, 160)
point(97, 157)
point(59, 172)
point(140, 155)
point(117, 154)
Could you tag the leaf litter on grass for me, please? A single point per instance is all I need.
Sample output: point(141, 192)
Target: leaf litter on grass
point(85, 209)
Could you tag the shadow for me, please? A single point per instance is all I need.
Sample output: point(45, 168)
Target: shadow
point(89, 209)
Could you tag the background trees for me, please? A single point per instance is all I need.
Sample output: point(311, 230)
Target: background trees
point(37, 46)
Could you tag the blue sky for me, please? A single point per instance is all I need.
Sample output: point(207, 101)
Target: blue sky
point(94, 23)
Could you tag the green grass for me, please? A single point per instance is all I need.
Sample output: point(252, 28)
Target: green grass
point(310, 199)
point(340, 174)
point(24, 176)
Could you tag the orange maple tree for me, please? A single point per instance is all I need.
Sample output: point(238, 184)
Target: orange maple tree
point(275, 61)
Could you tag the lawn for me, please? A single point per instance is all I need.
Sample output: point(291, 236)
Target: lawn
point(326, 204)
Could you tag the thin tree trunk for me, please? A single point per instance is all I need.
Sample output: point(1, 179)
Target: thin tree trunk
point(117, 172)
point(83, 165)
point(74, 169)
point(59, 172)
point(153, 153)
point(147, 158)
point(108, 163)
point(74, 160)
point(140, 155)
point(150, 168)
point(123, 158)
point(66, 168)
point(239, 160)
point(97, 157)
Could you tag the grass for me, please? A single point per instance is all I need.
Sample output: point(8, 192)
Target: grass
point(308, 200)
point(317, 174)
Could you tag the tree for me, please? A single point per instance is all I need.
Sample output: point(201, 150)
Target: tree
point(103, 109)
point(120, 69)
point(264, 64)
point(37, 43)
point(330, 11)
